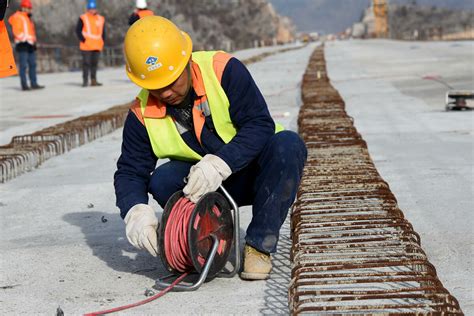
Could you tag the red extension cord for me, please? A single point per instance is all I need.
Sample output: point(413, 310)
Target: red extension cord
point(176, 250)
point(176, 236)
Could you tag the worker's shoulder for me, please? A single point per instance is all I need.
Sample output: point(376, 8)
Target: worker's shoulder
point(14, 16)
point(135, 108)
point(222, 56)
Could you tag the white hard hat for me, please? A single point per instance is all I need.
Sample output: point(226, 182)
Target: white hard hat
point(141, 4)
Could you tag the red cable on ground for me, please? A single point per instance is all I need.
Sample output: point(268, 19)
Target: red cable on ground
point(152, 298)
point(176, 250)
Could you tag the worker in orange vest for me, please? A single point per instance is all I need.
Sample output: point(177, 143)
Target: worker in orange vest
point(90, 30)
point(141, 11)
point(25, 39)
point(7, 62)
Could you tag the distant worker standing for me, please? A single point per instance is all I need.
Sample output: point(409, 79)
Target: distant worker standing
point(7, 62)
point(141, 11)
point(24, 33)
point(90, 30)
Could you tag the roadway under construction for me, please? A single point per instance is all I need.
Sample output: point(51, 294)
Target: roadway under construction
point(352, 250)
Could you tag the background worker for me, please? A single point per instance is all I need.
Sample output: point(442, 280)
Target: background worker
point(7, 61)
point(24, 35)
point(90, 30)
point(141, 11)
point(205, 113)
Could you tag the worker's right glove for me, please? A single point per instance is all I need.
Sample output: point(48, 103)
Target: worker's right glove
point(206, 176)
point(141, 225)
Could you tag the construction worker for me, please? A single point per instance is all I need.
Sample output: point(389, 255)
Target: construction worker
point(7, 61)
point(24, 34)
point(141, 11)
point(205, 113)
point(90, 30)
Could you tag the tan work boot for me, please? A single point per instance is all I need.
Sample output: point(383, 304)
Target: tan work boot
point(257, 265)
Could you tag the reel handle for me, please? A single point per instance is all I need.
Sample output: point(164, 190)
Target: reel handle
point(161, 284)
point(235, 213)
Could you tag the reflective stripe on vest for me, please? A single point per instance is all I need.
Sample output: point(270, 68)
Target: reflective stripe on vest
point(23, 28)
point(163, 133)
point(93, 26)
point(218, 101)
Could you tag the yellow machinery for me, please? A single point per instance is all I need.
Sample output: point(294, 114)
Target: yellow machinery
point(381, 17)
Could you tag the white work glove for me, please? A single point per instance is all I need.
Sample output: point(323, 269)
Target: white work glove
point(206, 176)
point(141, 225)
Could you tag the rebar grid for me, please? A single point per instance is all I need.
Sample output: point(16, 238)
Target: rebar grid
point(27, 152)
point(353, 252)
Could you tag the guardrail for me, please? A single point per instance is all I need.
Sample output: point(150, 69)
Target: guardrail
point(57, 58)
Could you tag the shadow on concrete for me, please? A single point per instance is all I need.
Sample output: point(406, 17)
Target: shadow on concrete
point(16, 88)
point(104, 233)
point(74, 84)
point(276, 287)
point(121, 80)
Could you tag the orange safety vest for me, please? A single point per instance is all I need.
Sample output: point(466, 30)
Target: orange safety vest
point(207, 69)
point(144, 13)
point(92, 29)
point(7, 62)
point(23, 28)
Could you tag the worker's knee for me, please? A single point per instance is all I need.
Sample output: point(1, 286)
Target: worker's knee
point(167, 179)
point(288, 148)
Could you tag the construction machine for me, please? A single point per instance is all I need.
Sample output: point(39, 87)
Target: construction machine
point(458, 100)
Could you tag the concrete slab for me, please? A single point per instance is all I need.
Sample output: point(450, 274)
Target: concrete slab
point(63, 242)
point(24, 112)
point(424, 153)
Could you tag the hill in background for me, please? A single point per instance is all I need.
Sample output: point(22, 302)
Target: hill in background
point(333, 16)
point(212, 24)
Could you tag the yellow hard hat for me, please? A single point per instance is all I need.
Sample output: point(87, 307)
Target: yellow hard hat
point(156, 52)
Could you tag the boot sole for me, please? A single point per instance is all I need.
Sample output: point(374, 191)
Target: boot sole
point(254, 276)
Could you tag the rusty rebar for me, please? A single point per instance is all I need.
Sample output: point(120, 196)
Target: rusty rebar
point(353, 251)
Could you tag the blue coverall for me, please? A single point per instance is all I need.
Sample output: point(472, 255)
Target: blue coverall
point(266, 167)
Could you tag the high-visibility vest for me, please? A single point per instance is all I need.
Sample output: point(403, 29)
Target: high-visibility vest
point(92, 29)
point(7, 62)
point(165, 138)
point(23, 28)
point(144, 13)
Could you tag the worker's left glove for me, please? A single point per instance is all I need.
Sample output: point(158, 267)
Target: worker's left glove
point(206, 176)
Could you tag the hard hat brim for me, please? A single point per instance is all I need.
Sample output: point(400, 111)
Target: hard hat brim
point(178, 70)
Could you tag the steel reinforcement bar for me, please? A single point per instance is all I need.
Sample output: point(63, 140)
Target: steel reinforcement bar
point(353, 251)
point(27, 152)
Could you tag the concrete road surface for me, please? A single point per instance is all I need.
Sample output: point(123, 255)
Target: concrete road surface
point(424, 153)
point(63, 242)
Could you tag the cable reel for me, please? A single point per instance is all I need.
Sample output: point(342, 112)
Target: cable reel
point(207, 232)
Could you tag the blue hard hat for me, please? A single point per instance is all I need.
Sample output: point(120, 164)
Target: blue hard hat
point(91, 4)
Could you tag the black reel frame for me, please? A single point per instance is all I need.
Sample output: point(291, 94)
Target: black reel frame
point(209, 253)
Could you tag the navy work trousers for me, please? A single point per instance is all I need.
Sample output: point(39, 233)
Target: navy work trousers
point(269, 184)
point(27, 60)
point(90, 61)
